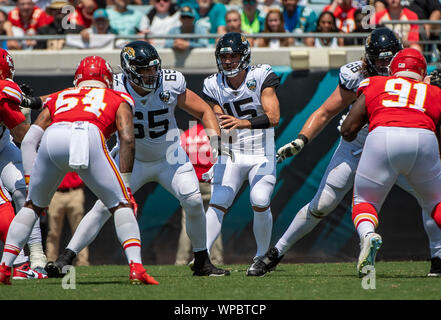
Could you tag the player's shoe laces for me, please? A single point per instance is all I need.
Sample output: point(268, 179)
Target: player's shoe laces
point(203, 266)
point(138, 275)
point(55, 269)
point(257, 268)
point(5, 274)
point(435, 267)
point(24, 272)
point(369, 246)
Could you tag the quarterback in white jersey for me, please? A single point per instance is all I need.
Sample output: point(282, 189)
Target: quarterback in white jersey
point(339, 175)
point(245, 97)
point(158, 156)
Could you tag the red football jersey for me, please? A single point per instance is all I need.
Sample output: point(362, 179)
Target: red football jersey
point(401, 102)
point(94, 105)
point(10, 99)
point(39, 19)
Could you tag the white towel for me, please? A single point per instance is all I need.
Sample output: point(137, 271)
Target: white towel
point(79, 146)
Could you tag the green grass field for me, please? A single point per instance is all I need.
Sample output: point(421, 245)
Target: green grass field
point(394, 280)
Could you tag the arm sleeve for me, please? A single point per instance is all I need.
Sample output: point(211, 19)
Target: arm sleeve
point(29, 147)
point(272, 80)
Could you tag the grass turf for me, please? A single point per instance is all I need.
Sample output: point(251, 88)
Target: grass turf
point(336, 281)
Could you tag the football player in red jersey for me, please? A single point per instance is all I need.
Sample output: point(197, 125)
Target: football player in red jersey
point(403, 114)
point(10, 163)
point(71, 133)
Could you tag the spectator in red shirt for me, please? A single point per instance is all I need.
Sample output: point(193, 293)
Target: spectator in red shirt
point(196, 144)
point(68, 202)
point(343, 11)
point(28, 18)
point(83, 14)
point(408, 32)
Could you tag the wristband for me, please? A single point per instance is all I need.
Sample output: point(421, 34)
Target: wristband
point(303, 138)
point(260, 122)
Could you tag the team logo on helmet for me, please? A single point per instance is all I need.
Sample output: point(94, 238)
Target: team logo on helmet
point(129, 51)
point(251, 84)
point(9, 61)
point(164, 96)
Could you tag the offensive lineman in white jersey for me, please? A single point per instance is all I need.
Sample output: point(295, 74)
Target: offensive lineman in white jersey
point(338, 179)
point(156, 92)
point(246, 97)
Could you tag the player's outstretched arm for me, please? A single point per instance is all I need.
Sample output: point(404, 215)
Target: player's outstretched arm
point(339, 100)
point(124, 125)
point(198, 108)
point(355, 120)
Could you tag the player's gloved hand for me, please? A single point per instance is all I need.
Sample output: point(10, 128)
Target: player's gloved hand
point(31, 102)
point(133, 202)
point(292, 148)
point(219, 149)
point(26, 89)
point(343, 117)
point(435, 78)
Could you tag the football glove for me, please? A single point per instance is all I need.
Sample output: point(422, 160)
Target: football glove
point(291, 149)
point(26, 89)
point(435, 78)
point(340, 123)
point(219, 149)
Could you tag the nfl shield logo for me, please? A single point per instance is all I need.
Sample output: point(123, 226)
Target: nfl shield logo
point(251, 84)
point(164, 96)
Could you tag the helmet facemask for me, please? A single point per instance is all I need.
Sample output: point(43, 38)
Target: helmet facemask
point(379, 65)
point(230, 72)
point(140, 75)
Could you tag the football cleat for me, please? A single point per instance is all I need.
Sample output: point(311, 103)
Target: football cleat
point(5, 274)
point(138, 275)
point(24, 272)
point(435, 267)
point(272, 259)
point(55, 269)
point(257, 268)
point(202, 266)
point(369, 247)
point(191, 265)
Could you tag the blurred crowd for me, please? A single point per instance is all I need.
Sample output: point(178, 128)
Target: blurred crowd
point(104, 23)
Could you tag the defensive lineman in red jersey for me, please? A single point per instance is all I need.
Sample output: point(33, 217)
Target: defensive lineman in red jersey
point(404, 115)
point(71, 133)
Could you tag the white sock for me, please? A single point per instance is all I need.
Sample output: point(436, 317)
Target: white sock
point(195, 222)
point(21, 258)
point(128, 234)
point(214, 219)
point(302, 224)
point(433, 233)
point(18, 233)
point(262, 227)
point(364, 228)
point(89, 227)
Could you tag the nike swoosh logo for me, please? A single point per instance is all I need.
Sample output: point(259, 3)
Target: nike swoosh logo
point(30, 273)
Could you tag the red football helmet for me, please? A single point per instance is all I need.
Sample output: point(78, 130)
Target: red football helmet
point(409, 63)
point(6, 65)
point(94, 68)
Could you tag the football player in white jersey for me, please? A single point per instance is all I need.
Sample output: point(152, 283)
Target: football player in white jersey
point(381, 46)
point(245, 96)
point(158, 156)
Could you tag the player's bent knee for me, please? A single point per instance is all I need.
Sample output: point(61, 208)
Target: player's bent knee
point(222, 198)
point(193, 204)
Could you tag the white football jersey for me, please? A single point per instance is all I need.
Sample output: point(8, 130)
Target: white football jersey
point(245, 103)
point(154, 118)
point(350, 75)
point(349, 78)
